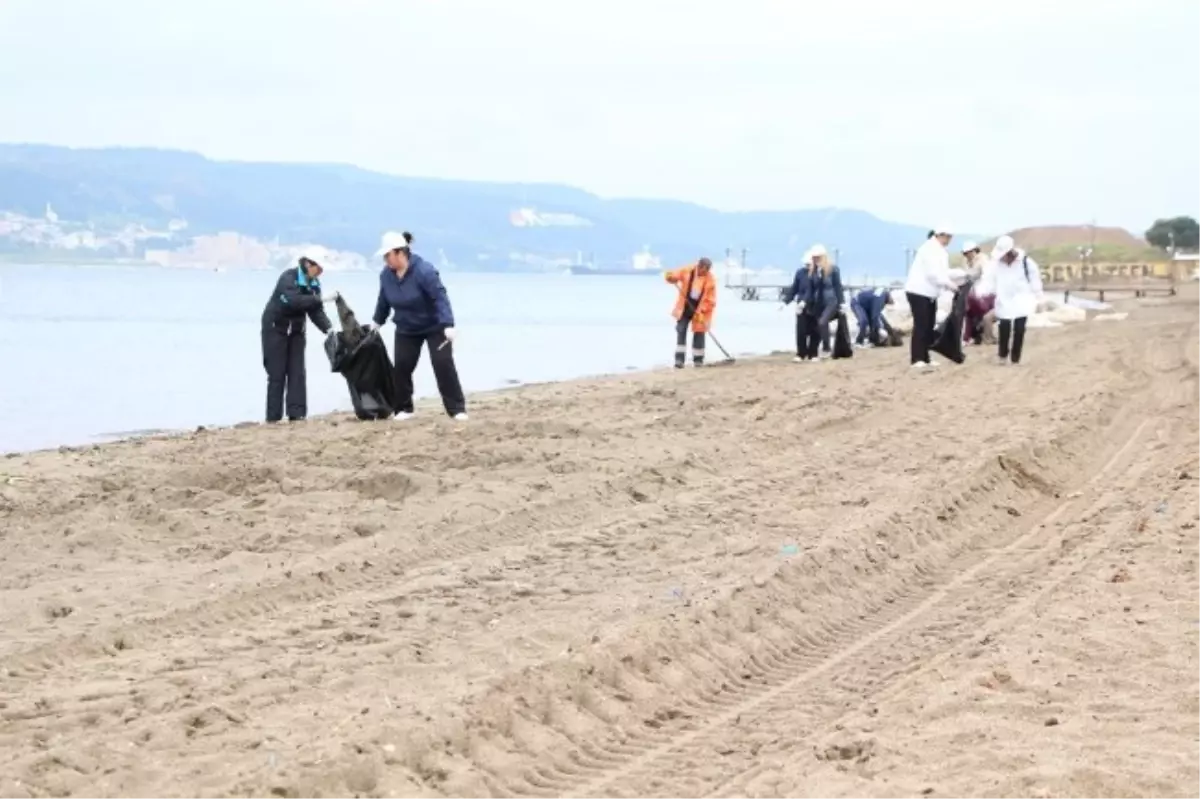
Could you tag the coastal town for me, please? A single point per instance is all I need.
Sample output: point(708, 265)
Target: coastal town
point(50, 238)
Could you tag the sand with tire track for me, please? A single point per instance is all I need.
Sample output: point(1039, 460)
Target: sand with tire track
point(768, 579)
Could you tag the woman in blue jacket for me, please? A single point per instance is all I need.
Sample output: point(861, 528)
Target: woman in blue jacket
point(806, 329)
point(825, 298)
point(411, 292)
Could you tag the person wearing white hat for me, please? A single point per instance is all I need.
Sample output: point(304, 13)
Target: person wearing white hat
point(412, 294)
point(797, 292)
point(296, 298)
point(825, 299)
point(928, 277)
point(979, 319)
point(1016, 281)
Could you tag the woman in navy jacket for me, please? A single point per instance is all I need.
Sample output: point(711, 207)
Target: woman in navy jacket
point(411, 292)
point(806, 328)
point(826, 297)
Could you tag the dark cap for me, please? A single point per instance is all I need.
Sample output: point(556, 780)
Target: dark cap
point(705, 262)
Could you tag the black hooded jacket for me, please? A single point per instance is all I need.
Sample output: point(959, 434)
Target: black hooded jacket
point(296, 297)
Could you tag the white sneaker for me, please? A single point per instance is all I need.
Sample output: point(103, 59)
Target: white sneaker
point(932, 364)
point(797, 359)
point(1001, 361)
point(460, 417)
point(919, 365)
point(402, 416)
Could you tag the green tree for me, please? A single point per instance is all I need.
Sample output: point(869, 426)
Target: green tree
point(1181, 232)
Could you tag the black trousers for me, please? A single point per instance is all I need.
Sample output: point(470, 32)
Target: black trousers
point(802, 325)
point(408, 355)
point(812, 335)
point(824, 319)
point(1014, 329)
point(283, 358)
point(924, 316)
point(681, 337)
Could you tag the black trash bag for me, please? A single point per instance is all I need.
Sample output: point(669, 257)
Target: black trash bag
point(948, 335)
point(842, 348)
point(803, 325)
point(359, 355)
point(888, 335)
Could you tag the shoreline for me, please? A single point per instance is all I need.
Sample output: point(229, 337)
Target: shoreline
point(426, 407)
point(431, 402)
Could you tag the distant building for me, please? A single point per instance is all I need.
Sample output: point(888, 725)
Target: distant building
point(530, 217)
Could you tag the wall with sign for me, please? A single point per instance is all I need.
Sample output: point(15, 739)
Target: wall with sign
point(1105, 272)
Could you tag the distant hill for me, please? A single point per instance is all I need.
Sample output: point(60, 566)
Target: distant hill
point(1062, 243)
point(346, 208)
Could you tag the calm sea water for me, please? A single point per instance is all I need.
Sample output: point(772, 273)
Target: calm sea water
point(90, 353)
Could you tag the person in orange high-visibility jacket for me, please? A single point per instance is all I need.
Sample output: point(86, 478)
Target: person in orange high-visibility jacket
point(697, 300)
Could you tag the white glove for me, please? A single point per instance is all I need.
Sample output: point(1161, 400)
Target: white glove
point(450, 334)
point(333, 296)
point(370, 327)
point(799, 308)
point(844, 308)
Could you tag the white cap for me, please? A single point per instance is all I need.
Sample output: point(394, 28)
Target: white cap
point(817, 251)
point(1004, 245)
point(391, 241)
point(943, 229)
point(315, 253)
point(808, 256)
point(969, 245)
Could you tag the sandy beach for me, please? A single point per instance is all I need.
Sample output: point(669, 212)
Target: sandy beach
point(756, 580)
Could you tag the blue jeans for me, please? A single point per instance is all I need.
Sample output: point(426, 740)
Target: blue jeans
point(864, 323)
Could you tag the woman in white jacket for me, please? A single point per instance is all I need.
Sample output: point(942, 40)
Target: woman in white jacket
point(1016, 281)
point(928, 276)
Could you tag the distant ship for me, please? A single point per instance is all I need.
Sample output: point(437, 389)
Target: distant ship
point(643, 263)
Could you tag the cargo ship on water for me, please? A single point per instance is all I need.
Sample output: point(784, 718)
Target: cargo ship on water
point(643, 263)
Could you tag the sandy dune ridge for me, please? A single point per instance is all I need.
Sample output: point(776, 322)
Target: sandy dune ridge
point(767, 579)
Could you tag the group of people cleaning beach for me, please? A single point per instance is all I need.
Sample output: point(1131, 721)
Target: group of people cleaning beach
point(1002, 292)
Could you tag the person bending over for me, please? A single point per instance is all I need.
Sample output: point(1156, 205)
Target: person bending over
point(295, 299)
point(868, 307)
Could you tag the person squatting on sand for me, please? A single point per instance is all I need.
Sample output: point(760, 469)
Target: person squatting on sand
point(411, 292)
point(868, 307)
point(1016, 281)
point(797, 292)
point(296, 298)
point(697, 300)
point(980, 319)
point(928, 276)
point(824, 299)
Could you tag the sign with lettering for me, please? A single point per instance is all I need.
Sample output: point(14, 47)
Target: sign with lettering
point(1103, 272)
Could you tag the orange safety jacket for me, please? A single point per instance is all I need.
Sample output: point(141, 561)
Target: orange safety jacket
point(688, 280)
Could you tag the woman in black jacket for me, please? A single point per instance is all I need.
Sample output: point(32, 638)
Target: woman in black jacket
point(296, 298)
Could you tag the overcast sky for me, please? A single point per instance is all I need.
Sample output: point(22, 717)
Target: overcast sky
point(991, 115)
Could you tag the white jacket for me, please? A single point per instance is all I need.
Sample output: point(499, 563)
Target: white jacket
point(1017, 288)
point(930, 270)
point(979, 271)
